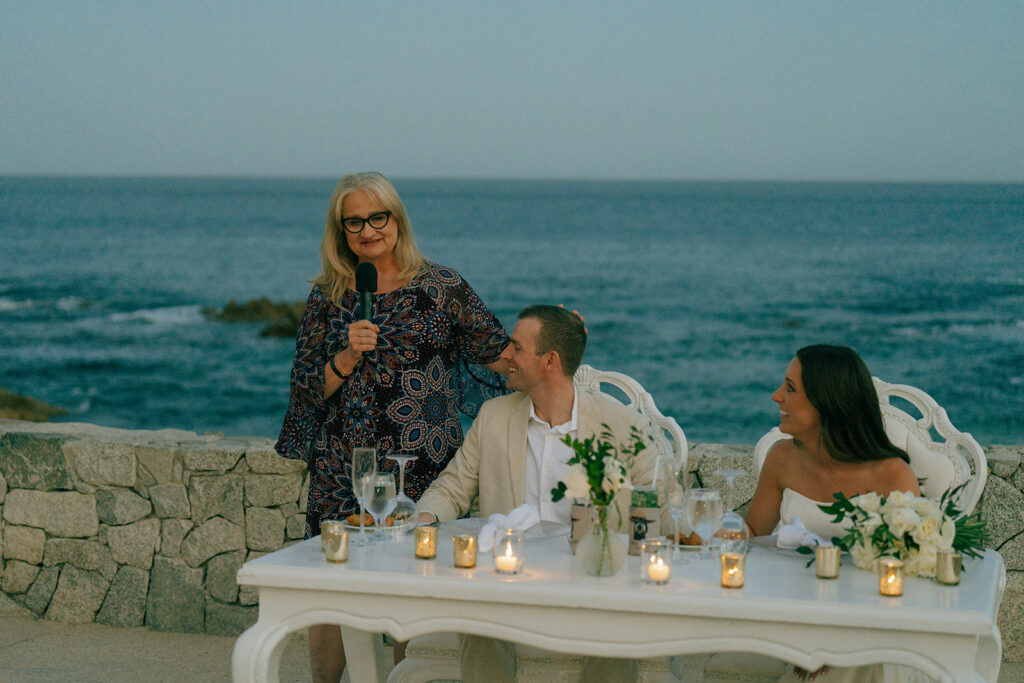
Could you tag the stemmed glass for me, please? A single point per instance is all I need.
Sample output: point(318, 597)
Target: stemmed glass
point(734, 532)
point(381, 502)
point(676, 496)
point(405, 508)
point(704, 514)
point(363, 470)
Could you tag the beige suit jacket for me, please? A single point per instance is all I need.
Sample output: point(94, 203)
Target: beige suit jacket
point(492, 460)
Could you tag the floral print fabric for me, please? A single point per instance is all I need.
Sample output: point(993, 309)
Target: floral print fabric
point(404, 397)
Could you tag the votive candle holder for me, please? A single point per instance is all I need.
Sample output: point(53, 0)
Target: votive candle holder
point(947, 567)
point(826, 561)
point(509, 548)
point(890, 577)
point(464, 551)
point(334, 540)
point(655, 562)
point(425, 542)
point(733, 569)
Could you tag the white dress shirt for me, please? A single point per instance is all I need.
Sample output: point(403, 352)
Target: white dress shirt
point(546, 458)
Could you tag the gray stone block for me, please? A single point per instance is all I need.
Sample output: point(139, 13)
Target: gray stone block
point(12, 608)
point(35, 461)
point(18, 576)
point(121, 506)
point(84, 554)
point(170, 500)
point(23, 543)
point(1004, 461)
point(1013, 554)
point(220, 456)
point(1011, 614)
point(268, 490)
point(211, 496)
point(3, 488)
point(213, 537)
point(134, 544)
point(38, 597)
point(125, 603)
point(304, 495)
point(228, 620)
point(220, 575)
point(172, 533)
point(102, 463)
point(78, 596)
point(264, 528)
point(175, 601)
point(263, 459)
point(157, 462)
point(295, 527)
point(68, 514)
point(1002, 508)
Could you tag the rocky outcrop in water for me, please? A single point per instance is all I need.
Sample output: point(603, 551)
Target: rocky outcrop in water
point(17, 407)
point(282, 319)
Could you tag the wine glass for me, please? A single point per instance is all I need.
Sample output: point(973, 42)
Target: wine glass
point(704, 514)
point(405, 509)
point(363, 469)
point(381, 502)
point(676, 497)
point(734, 533)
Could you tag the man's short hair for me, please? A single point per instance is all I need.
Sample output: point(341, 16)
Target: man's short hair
point(560, 330)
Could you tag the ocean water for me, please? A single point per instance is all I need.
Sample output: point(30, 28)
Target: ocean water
point(701, 291)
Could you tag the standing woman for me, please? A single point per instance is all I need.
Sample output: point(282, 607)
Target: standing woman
point(396, 382)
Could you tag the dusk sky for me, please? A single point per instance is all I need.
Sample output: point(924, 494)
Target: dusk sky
point(886, 91)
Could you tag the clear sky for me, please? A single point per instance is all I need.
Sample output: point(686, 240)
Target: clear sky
point(817, 90)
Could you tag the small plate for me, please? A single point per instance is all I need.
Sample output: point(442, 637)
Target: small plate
point(393, 530)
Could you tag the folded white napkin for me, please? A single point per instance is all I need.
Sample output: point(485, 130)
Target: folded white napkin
point(520, 519)
point(795, 534)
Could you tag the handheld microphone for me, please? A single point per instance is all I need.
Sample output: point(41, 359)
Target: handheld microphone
point(366, 285)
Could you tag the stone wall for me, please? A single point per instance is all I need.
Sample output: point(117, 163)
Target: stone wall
point(132, 528)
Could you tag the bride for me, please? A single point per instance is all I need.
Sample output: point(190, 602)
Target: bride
point(827, 403)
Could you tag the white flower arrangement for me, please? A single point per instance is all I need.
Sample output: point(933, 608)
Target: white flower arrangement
point(598, 469)
point(908, 527)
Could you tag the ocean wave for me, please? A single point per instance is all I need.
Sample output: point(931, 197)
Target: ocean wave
point(7, 304)
point(170, 315)
point(71, 303)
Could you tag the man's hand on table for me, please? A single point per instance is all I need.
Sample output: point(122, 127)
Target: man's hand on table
point(426, 518)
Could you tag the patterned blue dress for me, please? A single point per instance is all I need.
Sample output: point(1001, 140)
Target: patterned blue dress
point(404, 397)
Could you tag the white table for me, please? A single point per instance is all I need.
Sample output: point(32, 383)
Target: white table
point(783, 611)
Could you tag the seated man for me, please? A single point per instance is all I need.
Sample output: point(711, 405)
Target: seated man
point(513, 454)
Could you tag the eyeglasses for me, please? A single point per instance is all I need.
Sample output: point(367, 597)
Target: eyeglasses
point(355, 224)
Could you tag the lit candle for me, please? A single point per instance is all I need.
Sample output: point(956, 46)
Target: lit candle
point(655, 562)
point(334, 540)
point(508, 552)
point(732, 569)
point(890, 577)
point(426, 542)
point(947, 567)
point(826, 561)
point(464, 551)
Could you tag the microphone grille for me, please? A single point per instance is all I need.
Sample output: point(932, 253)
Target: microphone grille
point(366, 277)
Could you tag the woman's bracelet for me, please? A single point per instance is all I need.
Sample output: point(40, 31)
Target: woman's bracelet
point(334, 368)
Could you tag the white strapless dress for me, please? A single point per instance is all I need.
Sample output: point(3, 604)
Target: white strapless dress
point(796, 504)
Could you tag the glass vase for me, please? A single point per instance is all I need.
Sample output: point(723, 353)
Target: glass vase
point(601, 552)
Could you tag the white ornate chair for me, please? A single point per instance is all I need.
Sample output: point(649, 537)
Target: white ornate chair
point(436, 656)
point(939, 464)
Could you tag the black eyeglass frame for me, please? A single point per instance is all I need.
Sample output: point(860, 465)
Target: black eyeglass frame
point(343, 222)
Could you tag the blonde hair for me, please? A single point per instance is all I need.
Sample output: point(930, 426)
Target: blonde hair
point(338, 260)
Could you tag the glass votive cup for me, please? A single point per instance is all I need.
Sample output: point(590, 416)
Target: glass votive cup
point(947, 567)
point(334, 540)
point(826, 561)
point(655, 562)
point(509, 548)
point(425, 542)
point(890, 577)
point(733, 566)
point(464, 551)
point(580, 522)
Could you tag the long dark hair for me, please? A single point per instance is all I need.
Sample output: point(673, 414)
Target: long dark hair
point(839, 386)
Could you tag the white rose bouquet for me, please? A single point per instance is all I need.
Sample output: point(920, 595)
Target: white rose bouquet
point(597, 468)
point(908, 527)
